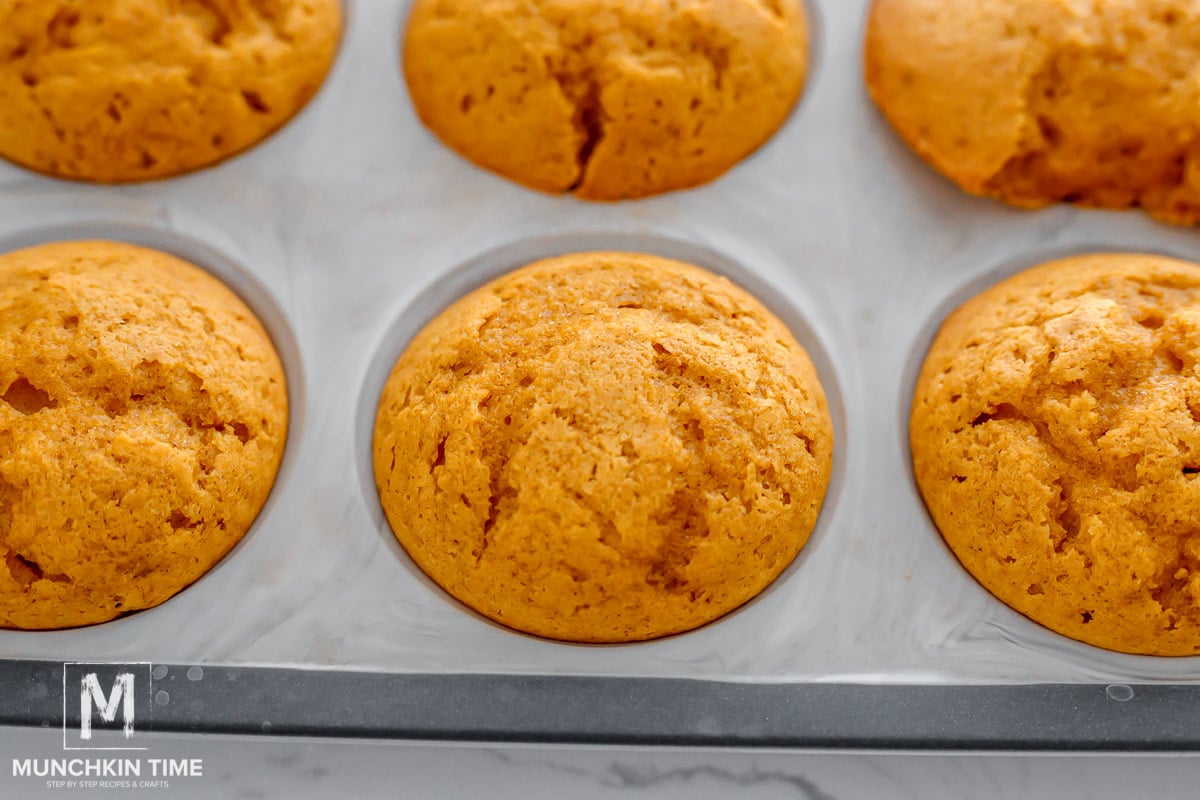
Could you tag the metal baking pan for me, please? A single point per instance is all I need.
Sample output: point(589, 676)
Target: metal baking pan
point(351, 227)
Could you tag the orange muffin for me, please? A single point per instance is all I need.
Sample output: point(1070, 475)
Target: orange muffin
point(127, 90)
point(143, 415)
point(603, 447)
point(608, 99)
point(1055, 439)
point(1041, 101)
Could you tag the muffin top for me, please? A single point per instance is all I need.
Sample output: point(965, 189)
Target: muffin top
point(603, 447)
point(1055, 439)
point(1035, 102)
point(143, 414)
point(129, 90)
point(608, 99)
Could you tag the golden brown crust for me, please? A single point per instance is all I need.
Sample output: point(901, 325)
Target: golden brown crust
point(1035, 102)
point(609, 99)
point(143, 415)
point(603, 447)
point(1055, 439)
point(124, 90)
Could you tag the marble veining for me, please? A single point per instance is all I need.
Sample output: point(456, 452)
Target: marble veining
point(267, 768)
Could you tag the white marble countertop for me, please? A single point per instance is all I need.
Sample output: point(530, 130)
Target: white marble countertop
point(266, 768)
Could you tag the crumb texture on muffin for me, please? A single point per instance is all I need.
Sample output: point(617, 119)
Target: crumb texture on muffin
point(126, 90)
point(143, 415)
point(1036, 102)
point(603, 447)
point(609, 99)
point(1055, 437)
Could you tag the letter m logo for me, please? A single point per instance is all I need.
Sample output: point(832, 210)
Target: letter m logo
point(102, 704)
point(90, 692)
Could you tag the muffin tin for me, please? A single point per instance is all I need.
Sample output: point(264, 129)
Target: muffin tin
point(353, 226)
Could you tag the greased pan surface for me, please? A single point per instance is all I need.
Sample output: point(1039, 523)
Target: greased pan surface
point(351, 227)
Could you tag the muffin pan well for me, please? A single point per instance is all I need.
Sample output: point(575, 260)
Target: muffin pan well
point(505, 259)
point(144, 422)
point(349, 225)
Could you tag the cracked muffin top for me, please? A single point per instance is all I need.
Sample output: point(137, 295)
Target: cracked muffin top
point(608, 99)
point(603, 447)
point(128, 90)
point(143, 414)
point(1035, 102)
point(1055, 437)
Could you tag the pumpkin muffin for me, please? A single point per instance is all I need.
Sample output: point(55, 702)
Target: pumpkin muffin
point(143, 414)
point(1035, 102)
point(608, 99)
point(603, 447)
point(128, 90)
point(1055, 438)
